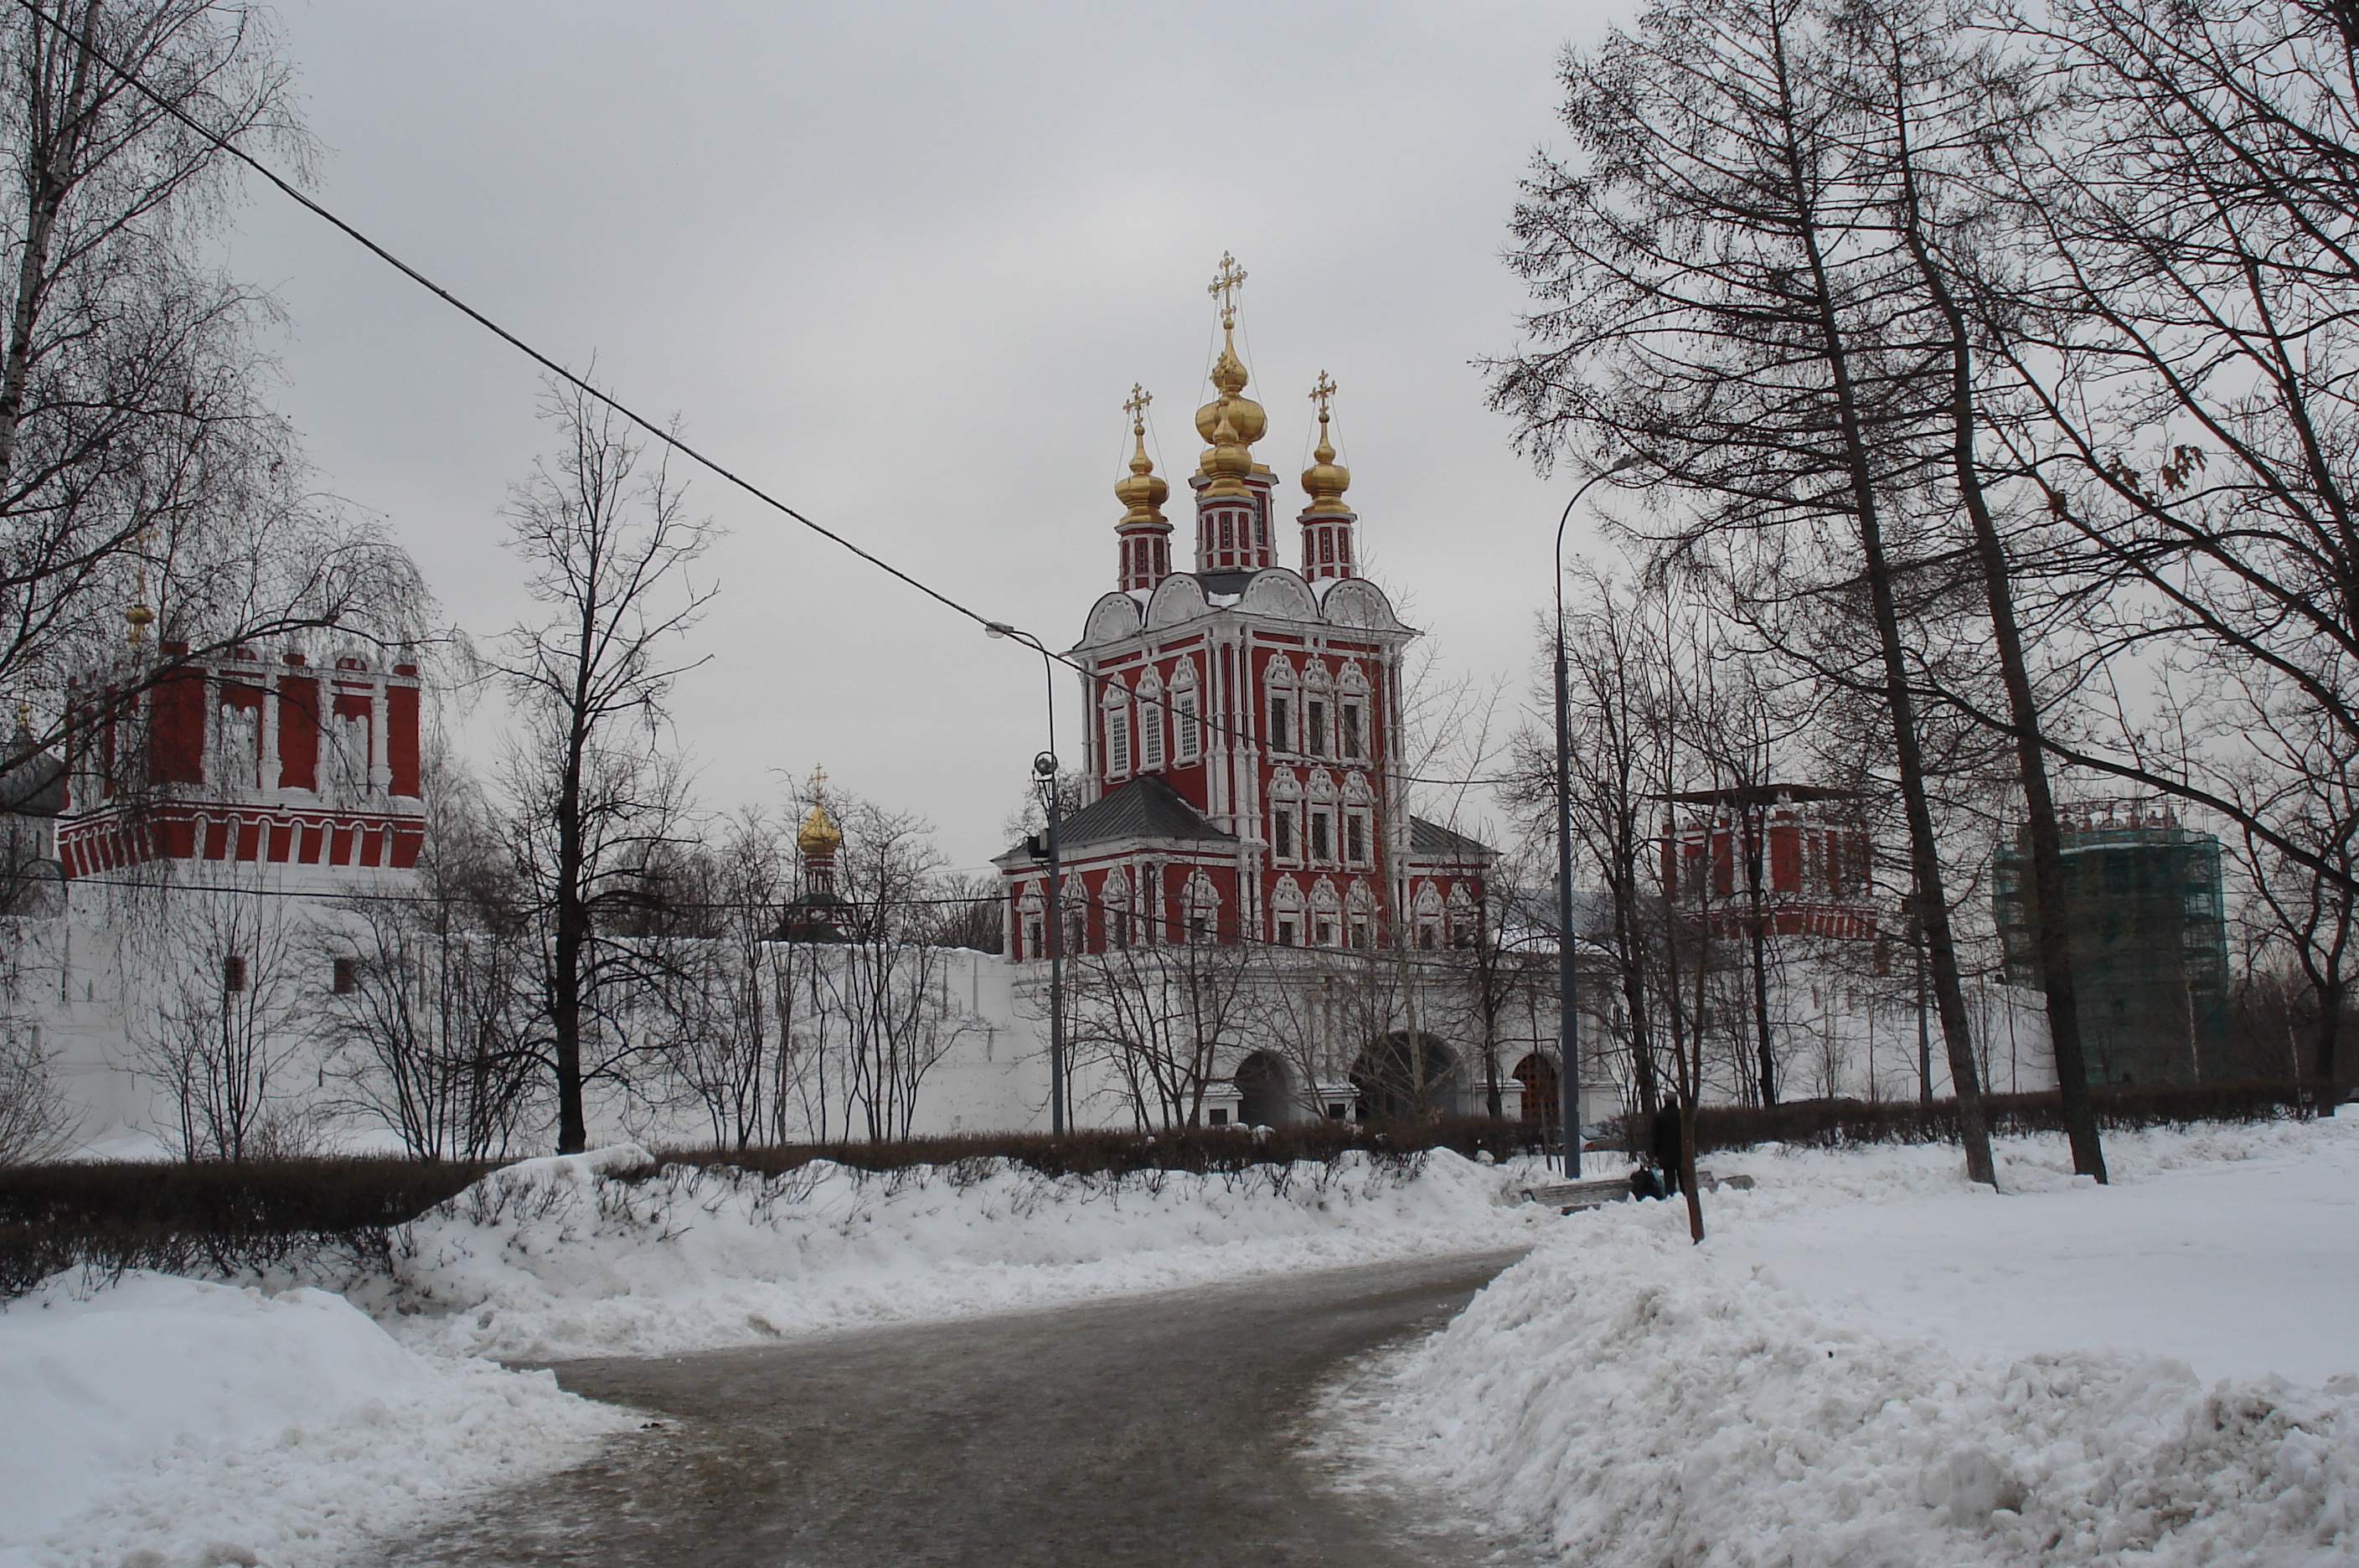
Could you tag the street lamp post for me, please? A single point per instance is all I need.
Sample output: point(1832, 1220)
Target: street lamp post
point(1568, 985)
point(1044, 775)
point(1044, 770)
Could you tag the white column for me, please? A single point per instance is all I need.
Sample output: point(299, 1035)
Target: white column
point(380, 769)
point(269, 737)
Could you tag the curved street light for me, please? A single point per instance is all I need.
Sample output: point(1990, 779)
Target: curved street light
point(1567, 993)
point(1044, 778)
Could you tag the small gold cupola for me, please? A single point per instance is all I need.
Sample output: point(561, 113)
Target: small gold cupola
point(1325, 480)
point(818, 835)
point(1231, 422)
point(1144, 491)
point(1327, 522)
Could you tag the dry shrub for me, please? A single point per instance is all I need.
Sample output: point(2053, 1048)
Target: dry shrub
point(1837, 1124)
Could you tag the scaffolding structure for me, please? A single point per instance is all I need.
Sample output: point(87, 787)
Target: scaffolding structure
point(2148, 921)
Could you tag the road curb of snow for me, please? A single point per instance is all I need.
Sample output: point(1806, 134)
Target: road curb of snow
point(552, 1260)
point(165, 1422)
point(1623, 1397)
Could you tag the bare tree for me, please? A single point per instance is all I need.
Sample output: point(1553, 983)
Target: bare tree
point(2173, 339)
point(426, 1021)
point(227, 1039)
point(1715, 304)
point(36, 1123)
point(140, 467)
point(887, 989)
point(2307, 782)
point(1157, 1015)
point(724, 993)
point(592, 793)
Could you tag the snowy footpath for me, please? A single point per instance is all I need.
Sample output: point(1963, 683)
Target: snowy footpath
point(1869, 1362)
point(160, 1422)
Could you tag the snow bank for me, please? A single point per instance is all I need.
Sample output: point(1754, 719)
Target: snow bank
point(551, 1258)
point(160, 1422)
point(1631, 1399)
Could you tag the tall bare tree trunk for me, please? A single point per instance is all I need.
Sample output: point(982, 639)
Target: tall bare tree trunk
point(1924, 849)
point(2050, 922)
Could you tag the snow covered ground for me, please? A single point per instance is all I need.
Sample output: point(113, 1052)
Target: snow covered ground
point(549, 1260)
point(160, 1422)
point(1868, 1362)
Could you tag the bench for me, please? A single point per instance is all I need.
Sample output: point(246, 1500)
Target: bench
point(1567, 1196)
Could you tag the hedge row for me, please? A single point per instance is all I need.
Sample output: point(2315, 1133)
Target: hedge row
point(210, 1217)
point(1105, 1152)
point(1830, 1124)
point(224, 1218)
point(221, 1218)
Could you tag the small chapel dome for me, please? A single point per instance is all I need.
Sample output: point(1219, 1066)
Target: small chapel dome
point(819, 835)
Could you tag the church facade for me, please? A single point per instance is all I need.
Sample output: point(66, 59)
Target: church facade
point(1243, 780)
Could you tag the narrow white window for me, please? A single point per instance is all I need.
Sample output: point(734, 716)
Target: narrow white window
point(1150, 737)
point(1117, 744)
point(1191, 729)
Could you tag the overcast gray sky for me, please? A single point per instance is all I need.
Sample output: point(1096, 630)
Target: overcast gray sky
point(901, 263)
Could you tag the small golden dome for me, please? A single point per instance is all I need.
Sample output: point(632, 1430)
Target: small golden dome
point(1143, 492)
point(1325, 480)
point(820, 835)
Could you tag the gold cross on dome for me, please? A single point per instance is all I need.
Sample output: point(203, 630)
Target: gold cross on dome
point(1322, 394)
point(1223, 287)
point(817, 782)
point(1136, 407)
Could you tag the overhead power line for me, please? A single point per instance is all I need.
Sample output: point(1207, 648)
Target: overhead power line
point(657, 431)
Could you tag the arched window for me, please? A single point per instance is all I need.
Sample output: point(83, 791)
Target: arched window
point(1151, 724)
point(1031, 935)
point(1277, 677)
point(1326, 914)
point(1286, 910)
point(1202, 908)
point(1117, 730)
point(1464, 923)
point(1360, 916)
point(1190, 739)
point(1114, 896)
point(1428, 918)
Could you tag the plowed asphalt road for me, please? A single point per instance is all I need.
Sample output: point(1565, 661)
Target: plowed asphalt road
point(1160, 1431)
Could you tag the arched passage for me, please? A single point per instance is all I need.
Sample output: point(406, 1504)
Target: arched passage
point(1537, 1073)
point(1264, 1090)
point(1402, 1075)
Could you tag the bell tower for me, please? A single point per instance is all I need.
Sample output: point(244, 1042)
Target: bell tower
point(1145, 533)
point(1326, 522)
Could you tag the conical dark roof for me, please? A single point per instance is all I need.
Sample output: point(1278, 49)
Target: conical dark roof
point(32, 781)
point(1145, 807)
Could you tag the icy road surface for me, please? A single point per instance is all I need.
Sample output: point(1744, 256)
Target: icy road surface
point(1157, 1432)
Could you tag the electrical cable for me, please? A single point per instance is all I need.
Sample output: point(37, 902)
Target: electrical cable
point(131, 79)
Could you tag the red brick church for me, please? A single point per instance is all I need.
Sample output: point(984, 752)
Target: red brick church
point(1244, 753)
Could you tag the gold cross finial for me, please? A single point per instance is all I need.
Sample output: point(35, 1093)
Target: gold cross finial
point(1136, 407)
point(1322, 394)
point(1224, 289)
point(818, 781)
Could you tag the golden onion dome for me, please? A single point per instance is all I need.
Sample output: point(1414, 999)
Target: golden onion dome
point(819, 835)
point(1144, 491)
point(1231, 422)
point(1325, 480)
point(1248, 418)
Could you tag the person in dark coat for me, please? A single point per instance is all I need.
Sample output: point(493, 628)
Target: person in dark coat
point(1666, 1145)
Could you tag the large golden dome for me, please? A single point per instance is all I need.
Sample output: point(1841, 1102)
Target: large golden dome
point(1231, 422)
